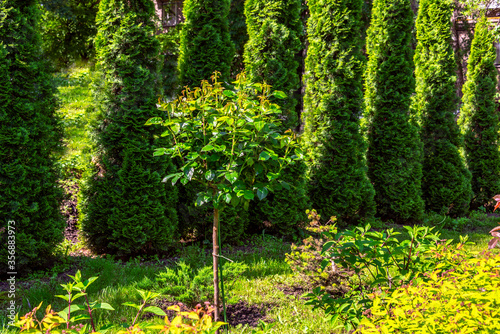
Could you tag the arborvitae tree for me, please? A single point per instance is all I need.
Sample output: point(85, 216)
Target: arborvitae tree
point(29, 136)
point(394, 148)
point(239, 34)
point(272, 55)
point(126, 207)
point(479, 117)
point(337, 181)
point(206, 44)
point(446, 181)
point(272, 51)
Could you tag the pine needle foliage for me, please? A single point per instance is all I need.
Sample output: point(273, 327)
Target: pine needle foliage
point(126, 208)
point(446, 181)
point(337, 181)
point(394, 147)
point(30, 134)
point(479, 117)
point(206, 44)
point(272, 52)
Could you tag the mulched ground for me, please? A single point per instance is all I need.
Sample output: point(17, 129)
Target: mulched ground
point(239, 313)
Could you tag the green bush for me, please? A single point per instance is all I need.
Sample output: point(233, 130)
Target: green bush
point(337, 181)
point(239, 35)
point(206, 44)
point(126, 209)
point(190, 286)
point(170, 49)
point(271, 53)
point(479, 118)
point(446, 181)
point(464, 299)
point(30, 134)
point(394, 154)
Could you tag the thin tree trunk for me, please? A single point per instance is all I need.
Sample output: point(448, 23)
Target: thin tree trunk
point(216, 264)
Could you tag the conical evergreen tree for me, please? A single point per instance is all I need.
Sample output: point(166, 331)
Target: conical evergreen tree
point(394, 147)
point(446, 181)
point(271, 55)
point(272, 52)
point(337, 181)
point(206, 44)
point(479, 117)
point(29, 136)
point(126, 208)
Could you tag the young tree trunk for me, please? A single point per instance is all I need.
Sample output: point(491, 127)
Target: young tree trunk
point(215, 254)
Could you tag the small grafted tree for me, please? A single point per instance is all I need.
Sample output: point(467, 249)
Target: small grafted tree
point(394, 147)
point(126, 208)
point(30, 134)
point(337, 181)
point(272, 52)
point(446, 181)
point(479, 118)
point(206, 44)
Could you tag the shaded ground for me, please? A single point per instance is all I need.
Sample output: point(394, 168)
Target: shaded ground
point(69, 209)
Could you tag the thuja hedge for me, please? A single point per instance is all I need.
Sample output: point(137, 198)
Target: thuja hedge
point(271, 53)
point(337, 181)
point(206, 44)
point(479, 117)
point(29, 136)
point(446, 186)
point(394, 148)
point(126, 208)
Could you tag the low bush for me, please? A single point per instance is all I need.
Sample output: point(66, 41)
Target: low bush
point(378, 260)
point(463, 299)
point(190, 286)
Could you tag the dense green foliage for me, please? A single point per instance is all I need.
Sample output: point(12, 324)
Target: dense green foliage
point(446, 181)
point(394, 149)
point(337, 181)
point(239, 34)
point(126, 208)
point(271, 53)
point(68, 29)
point(479, 117)
point(205, 44)
point(29, 136)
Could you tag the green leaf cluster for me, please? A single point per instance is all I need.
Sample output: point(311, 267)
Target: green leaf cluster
point(126, 209)
point(30, 134)
point(366, 261)
point(271, 53)
point(337, 181)
point(463, 299)
point(446, 182)
point(394, 154)
point(225, 140)
point(479, 118)
point(206, 44)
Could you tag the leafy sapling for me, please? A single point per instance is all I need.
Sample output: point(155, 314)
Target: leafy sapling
point(227, 140)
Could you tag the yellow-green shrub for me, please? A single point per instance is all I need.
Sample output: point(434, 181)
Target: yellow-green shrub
point(464, 299)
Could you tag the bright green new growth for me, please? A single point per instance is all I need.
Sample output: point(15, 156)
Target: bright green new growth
point(394, 148)
point(446, 181)
point(126, 208)
point(206, 44)
point(479, 117)
point(337, 185)
point(30, 134)
point(270, 55)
